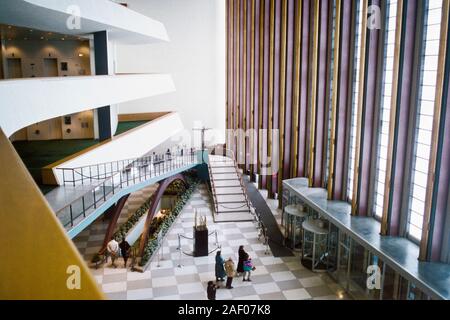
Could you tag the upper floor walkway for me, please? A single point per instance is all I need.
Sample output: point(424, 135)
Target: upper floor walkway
point(87, 192)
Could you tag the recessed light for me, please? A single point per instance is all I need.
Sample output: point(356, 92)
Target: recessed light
point(63, 39)
point(9, 27)
point(42, 38)
point(81, 55)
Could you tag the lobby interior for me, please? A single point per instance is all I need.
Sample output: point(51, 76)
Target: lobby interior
point(314, 133)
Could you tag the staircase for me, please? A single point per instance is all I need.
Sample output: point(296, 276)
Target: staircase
point(230, 198)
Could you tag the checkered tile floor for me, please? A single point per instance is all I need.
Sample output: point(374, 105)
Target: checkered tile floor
point(273, 279)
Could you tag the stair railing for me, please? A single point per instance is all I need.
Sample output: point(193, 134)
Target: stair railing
point(99, 193)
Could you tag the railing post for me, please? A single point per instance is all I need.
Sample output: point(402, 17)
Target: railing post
point(71, 216)
point(90, 174)
point(84, 207)
point(73, 177)
point(95, 201)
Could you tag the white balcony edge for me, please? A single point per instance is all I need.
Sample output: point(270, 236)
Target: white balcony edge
point(28, 101)
point(124, 25)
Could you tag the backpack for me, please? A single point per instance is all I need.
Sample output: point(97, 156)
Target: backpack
point(248, 265)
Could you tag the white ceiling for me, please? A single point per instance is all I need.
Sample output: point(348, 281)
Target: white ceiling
point(124, 25)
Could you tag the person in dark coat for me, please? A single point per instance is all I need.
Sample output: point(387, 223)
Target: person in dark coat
point(125, 251)
point(243, 256)
point(211, 291)
point(220, 270)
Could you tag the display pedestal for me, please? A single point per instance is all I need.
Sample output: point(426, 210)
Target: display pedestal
point(200, 242)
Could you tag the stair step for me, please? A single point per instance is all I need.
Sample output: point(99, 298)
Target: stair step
point(226, 183)
point(236, 211)
point(230, 198)
point(225, 178)
point(222, 171)
point(232, 208)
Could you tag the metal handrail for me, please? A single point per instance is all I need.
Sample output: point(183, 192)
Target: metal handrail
point(110, 168)
point(86, 204)
point(226, 153)
point(241, 181)
point(212, 193)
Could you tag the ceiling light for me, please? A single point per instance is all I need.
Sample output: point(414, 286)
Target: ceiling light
point(42, 38)
point(81, 55)
point(9, 27)
point(63, 39)
point(31, 30)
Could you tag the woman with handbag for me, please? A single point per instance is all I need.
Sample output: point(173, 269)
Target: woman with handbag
point(243, 256)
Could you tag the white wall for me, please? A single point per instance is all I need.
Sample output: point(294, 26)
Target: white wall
point(35, 51)
point(195, 57)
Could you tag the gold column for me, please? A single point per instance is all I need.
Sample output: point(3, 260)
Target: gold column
point(252, 89)
point(334, 99)
point(281, 126)
point(243, 140)
point(238, 75)
point(296, 88)
point(271, 100)
point(313, 102)
point(261, 84)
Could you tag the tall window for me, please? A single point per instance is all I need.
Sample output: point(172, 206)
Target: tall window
point(330, 101)
point(389, 47)
point(430, 55)
point(351, 167)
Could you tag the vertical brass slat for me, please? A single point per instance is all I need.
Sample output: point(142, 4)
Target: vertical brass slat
point(271, 88)
point(435, 133)
point(360, 105)
point(314, 84)
point(281, 126)
point(296, 88)
point(393, 115)
point(334, 99)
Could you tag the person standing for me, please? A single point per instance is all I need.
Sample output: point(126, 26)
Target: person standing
point(211, 290)
point(248, 267)
point(125, 251)
point(230, 271)
point(220, 271)
point(113, 250)
point(243, 256)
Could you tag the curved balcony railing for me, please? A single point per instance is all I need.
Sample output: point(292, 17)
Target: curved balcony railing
point(128, 173)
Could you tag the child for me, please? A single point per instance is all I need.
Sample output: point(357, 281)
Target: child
point(248, 267)
point(211, 290)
